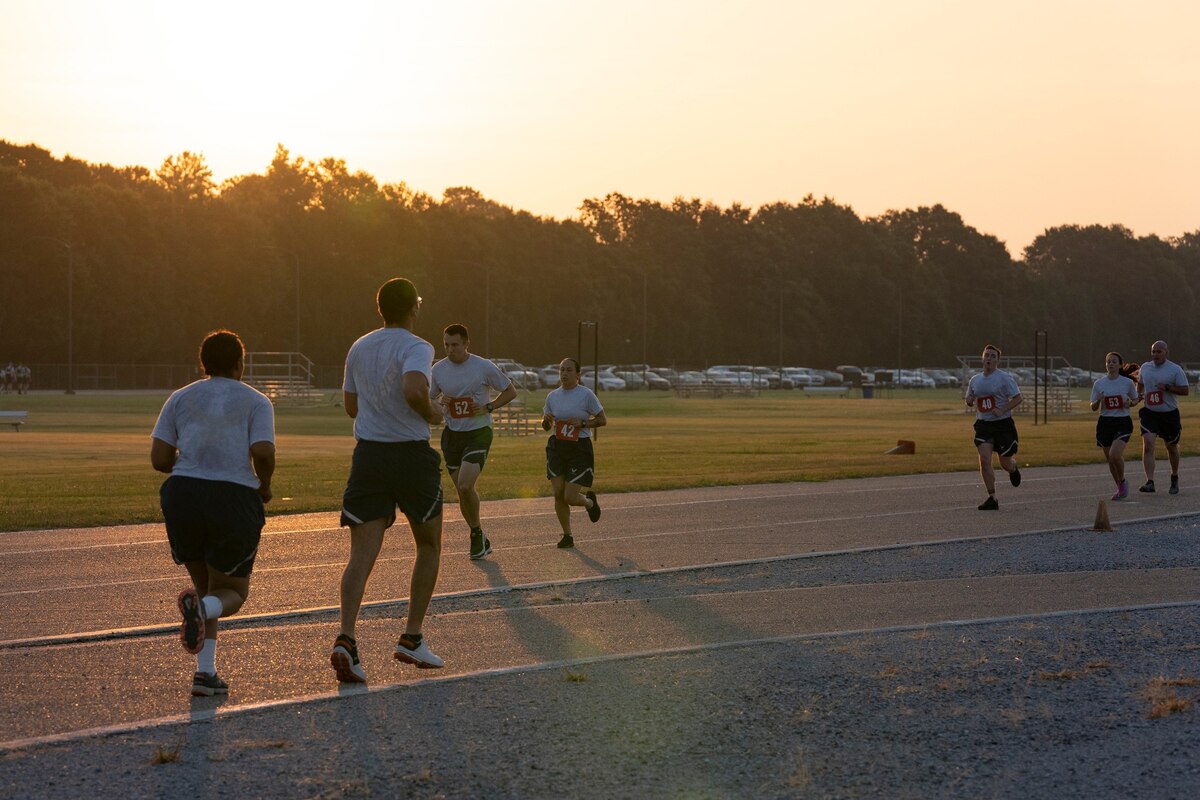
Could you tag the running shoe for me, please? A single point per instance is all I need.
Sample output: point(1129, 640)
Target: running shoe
point(1147, 487)
point(206, 684)
point(191, 630)
point(1122, 491)
point(344, 660)
point(1014, 477)
point(594, 510)
point(417, 654)
point(1174, 485)
point(480, 546)
point(990, 504)
point(566, 542)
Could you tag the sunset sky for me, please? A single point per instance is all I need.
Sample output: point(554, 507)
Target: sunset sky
point(1018, 115)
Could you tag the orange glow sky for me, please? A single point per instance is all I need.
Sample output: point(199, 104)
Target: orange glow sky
point(1019, 115)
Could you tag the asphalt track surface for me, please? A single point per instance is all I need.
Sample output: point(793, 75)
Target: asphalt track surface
point(683, 616)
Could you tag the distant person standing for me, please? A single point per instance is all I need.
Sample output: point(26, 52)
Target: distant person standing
point(461, 385)
point(994, 394)
point(1113, 396)
point(24, 378)
point(572, 411)
point(216, 439)
point(1159, 381)
point(386, 393)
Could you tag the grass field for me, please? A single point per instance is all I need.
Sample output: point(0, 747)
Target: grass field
point(84, 460)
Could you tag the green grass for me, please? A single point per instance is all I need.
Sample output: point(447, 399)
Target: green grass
point(84, 460)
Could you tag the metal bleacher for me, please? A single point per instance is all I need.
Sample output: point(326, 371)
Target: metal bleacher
point(286, 378)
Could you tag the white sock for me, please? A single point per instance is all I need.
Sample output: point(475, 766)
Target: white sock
point(206, 659)
point(212, 606)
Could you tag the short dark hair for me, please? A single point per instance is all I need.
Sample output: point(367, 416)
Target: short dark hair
point(220, 352)
point(457, 329)
point(573, 361)
point(987, 347)
point(395, 299)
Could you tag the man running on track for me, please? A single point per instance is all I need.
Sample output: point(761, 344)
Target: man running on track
point(994, 394)
point(1159, 381)
point(386, 393)
point(216, 439)
point(460, 384)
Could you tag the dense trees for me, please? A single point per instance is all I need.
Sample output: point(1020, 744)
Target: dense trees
point(160, 257)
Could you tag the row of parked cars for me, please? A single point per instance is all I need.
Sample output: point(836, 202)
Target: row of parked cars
point(616, 377)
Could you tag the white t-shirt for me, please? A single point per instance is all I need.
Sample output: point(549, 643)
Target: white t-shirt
point(578, 403)
point(468, 379)
point(992, 392)
point(212, 423)
point(375, 369)
point(1115, 395)
point(1155, 378)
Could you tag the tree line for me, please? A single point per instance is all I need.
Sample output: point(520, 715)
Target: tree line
point(161, 256)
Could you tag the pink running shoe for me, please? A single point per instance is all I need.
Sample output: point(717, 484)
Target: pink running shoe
point(1122, 491)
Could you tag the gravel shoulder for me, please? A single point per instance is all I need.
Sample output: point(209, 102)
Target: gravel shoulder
point(1097, 705)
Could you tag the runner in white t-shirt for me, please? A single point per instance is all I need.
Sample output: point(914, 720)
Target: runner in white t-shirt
point(216, 439)
point(1159, 382)
point(386, 393)
point(461, 385)
point(572, 411)
point(994, 394)
point(1113, 396)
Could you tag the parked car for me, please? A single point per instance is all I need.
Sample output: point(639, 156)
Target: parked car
point(548, 375)
point(801, 377)
point(691, 377)
point(523, 378)
point(656, 381)
point(633, 380)
point(608, 381)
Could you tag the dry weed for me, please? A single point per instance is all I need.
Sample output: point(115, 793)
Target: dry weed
point(167, 755)
point(577, 677)
point(1064, 675)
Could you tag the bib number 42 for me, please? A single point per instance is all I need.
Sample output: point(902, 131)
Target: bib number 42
point(566, 431)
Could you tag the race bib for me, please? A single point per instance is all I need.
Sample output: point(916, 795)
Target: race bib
point(1114, 402)
point(566, 431)
point(460, 407)
point(986, 404)
point(1154, 398)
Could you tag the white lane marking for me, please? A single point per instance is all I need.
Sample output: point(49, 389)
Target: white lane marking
point(208, 715)
point(631, 537)
point(634, 506)
point(251, 620)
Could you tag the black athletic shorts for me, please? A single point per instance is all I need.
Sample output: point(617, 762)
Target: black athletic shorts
point(384, 475)
point(216, 522)
point(1162, 423)
point(469, 446)
point(1110, 429)
point(1002, 433)
point(573, 460)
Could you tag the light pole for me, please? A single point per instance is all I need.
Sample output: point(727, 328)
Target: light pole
point(70, 311)
point(296, 264)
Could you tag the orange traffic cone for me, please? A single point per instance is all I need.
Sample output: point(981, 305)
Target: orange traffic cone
point(903, 448)
point(1102, 523)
